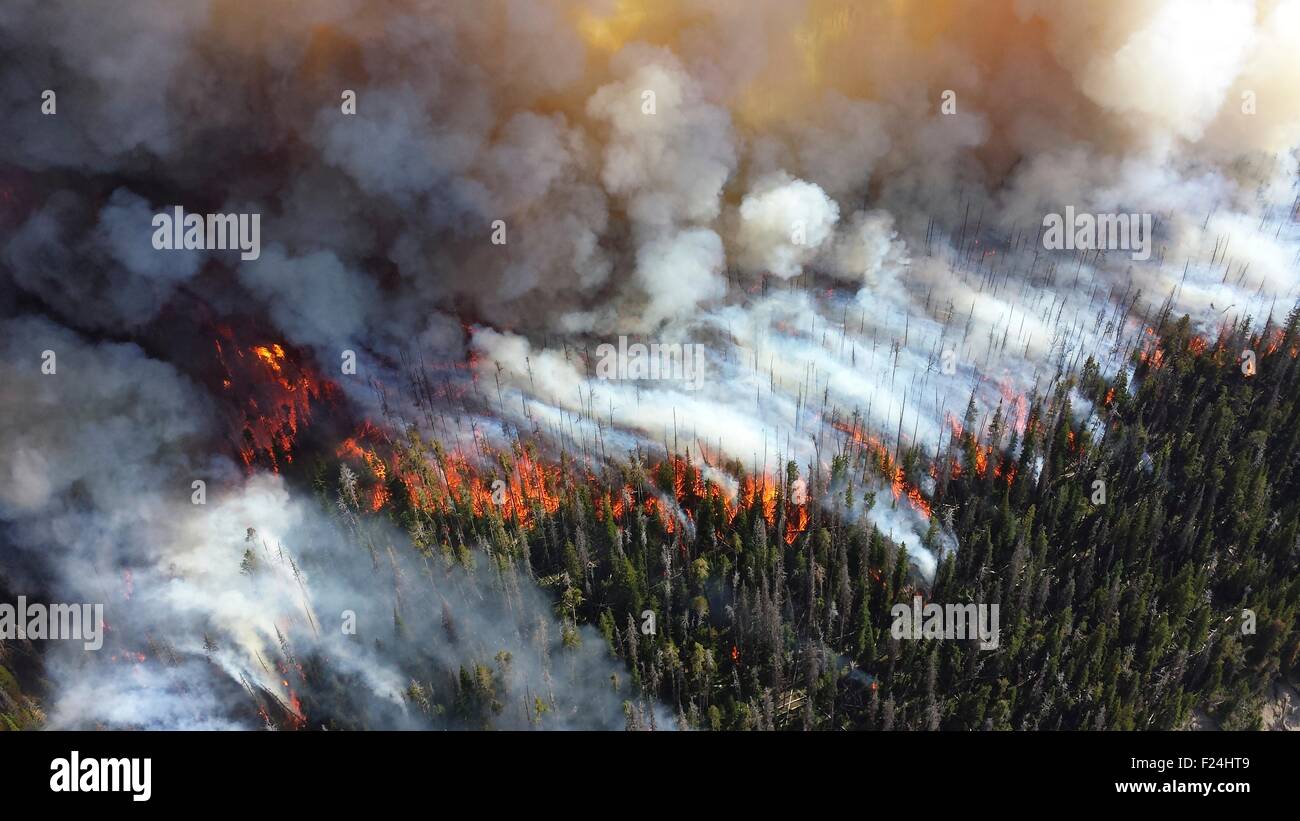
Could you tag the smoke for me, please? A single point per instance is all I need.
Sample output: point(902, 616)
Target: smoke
point(678, 273)
point(96, 497)
point(313, 298)
point(868, 250)
point(783, 222)
point(833, 198)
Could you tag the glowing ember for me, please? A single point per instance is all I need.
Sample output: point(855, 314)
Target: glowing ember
point(276, 395)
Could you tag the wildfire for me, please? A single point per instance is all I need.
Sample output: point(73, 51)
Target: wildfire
point(275, 394)
point(1152, 354)
point(1017, 404)
point(769, 501)
point(898, 484)
point(655, 510)
point(272, 356)
point(1152, 351)
point(797, 523)
point(527, 487)
point(622, 502)
point(519, 487)
point(982, 454)
point(352, 449)
point(918, 502)
point(751, 489)
point(1274, 344)
point(295, 704)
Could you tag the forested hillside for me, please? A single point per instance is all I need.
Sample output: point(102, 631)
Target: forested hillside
point(1122, 544)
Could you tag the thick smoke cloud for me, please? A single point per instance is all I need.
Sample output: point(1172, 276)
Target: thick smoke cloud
point(652, 164)
point(96, 501)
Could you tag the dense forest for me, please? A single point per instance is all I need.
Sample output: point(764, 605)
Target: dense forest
point(1124, 546)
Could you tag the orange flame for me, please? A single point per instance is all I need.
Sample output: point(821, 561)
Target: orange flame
point(276, 393)
point(797, 523)
point(898, 484)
